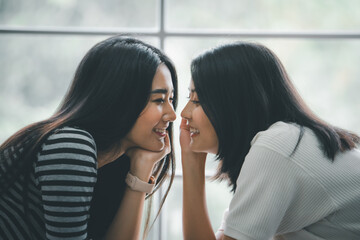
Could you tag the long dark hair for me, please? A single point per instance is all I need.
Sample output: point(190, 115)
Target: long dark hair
point(243, 89)
point(110, 89)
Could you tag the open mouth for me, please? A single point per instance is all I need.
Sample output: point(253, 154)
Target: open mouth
point(194, 132)
point(160, 132)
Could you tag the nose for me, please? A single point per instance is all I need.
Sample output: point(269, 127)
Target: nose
point(170, 114)
point(186, 112)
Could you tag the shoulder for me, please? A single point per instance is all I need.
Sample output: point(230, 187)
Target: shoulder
point(278, 131)
point(69, 143)
point(71, 133)
point(280, 137)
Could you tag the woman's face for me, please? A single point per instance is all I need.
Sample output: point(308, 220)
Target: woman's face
point(202, 133)
point(149, 130)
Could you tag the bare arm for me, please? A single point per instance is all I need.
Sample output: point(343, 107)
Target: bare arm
point(196, 222)
point(228, 238)
point(127, 222)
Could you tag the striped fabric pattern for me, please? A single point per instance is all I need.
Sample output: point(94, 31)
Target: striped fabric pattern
point(60, 190)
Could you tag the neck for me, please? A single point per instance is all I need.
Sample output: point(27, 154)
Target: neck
point(108, 156)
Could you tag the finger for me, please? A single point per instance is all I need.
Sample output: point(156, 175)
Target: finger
point(167, 147)
point(184, 124)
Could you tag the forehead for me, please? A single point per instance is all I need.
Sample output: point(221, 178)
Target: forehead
point(162, 78)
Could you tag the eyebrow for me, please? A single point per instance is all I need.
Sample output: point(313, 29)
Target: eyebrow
point(160, 90)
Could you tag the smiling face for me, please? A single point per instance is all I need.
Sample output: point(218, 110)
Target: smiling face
point(149, 130)
point(202, 133)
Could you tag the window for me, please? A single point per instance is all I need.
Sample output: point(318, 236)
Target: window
point(41, 43)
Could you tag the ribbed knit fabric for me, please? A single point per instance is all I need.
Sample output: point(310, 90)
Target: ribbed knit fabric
point(296, 196)
point(60, 191)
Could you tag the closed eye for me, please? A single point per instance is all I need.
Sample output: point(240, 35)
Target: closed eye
point(193, 101)
point(159, 100)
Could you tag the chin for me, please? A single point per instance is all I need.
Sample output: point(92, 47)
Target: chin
point(195, 149)
point(154, 147)
point(198, 150)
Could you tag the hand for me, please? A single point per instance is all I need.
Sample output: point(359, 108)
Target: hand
point(142, 160)
point(185, 136)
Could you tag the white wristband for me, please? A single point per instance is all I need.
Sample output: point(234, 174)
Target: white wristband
point(136, 184)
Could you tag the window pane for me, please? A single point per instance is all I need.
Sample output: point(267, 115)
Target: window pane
point(324, 71)
point(36, 71)
point(152, 206)
point(75, 13)
point(263, 14)
point(326, 74)
point(181, 51)
point(218, 197)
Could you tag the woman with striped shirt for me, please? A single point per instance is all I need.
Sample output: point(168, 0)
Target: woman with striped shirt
point(294, 176)
point(85, 172)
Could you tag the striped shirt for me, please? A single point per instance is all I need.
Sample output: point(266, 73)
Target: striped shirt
point(60, 190)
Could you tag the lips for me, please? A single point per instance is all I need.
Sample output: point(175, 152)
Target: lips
point(160, 131)
point(194, 132)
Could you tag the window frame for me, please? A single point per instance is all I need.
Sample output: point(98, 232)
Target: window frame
point(161, 33)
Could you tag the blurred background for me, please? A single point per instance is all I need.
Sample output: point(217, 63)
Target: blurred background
point(42, 42)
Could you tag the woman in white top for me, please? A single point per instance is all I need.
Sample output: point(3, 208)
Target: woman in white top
point(293, 175)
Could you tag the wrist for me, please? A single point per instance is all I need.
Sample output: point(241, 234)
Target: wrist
point(193, 159)
point(201, 156)
point(142, 170)
point(136, 184)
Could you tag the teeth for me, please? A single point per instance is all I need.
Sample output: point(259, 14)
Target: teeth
point(194, 130)
point(163, 131)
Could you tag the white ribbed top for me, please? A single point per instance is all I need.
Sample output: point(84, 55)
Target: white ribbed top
point(301, 196)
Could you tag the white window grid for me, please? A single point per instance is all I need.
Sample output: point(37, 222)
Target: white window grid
point(161, 33)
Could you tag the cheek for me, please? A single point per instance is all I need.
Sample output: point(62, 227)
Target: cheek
point(198, 116)
point(202, 121)
point(207, 131)
point(214, 138)
point(149, 118)
point(209, 140)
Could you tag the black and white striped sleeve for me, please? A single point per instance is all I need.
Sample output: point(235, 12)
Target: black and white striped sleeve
point(66, 172)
